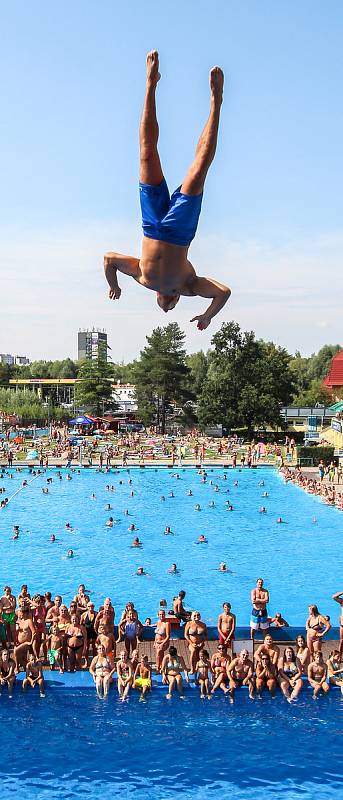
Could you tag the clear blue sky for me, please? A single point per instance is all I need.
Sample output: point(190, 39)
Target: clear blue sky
point(72, 87)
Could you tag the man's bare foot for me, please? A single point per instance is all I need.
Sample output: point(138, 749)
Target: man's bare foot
point(152, 64)
point(217, 83)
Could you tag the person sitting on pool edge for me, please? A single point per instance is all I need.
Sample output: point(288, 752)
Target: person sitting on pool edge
point(142, 678)
point(169, 224)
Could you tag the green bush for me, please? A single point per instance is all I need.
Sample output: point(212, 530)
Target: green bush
point(316, 454)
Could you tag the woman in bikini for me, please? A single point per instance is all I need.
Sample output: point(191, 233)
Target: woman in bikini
point(196, 636)
point(88, 622)
point(265, 675)
point(317, 626)
point(172, 667)
point(102, 669)
point(81, 600)
point(289, 675)
point(317, 674)
point(75, 643)
point(303, 654)
point(219, 663)
point(203, 669)
point(162, 638)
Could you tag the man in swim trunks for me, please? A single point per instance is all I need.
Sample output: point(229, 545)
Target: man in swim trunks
point(170, 223)
point(240, 672)
point(259, 613)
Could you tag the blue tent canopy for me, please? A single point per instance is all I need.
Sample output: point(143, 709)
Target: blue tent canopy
point(82, 420)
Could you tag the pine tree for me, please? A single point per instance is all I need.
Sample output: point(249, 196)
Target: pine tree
point(161, 376)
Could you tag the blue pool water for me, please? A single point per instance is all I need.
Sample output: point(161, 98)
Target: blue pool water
point(300, 561)
point(71, 745)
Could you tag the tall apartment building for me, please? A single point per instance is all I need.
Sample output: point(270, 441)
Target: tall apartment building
point(92, 344)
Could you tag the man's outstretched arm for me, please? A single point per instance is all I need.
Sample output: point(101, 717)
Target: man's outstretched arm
point(114, 262)
point(208, 287)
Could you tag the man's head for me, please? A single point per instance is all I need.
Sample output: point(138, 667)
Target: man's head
point(167, 301)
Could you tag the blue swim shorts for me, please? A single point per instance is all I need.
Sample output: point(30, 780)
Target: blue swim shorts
point(169, 219)
point(259, 619)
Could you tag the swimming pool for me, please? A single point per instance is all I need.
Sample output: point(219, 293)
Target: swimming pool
point(300, 561)
point(72, 745)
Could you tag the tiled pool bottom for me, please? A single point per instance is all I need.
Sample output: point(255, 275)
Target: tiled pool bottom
point(71, 745)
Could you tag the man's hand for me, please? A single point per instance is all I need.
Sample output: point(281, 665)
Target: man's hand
point(203, 321)
point(114, 293)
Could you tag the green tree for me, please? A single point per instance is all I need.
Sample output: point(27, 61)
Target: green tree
point(197, 363)
point(319, 364)
point(314, 394)
point(93, 391)
point(161, 376)
point(248, 381)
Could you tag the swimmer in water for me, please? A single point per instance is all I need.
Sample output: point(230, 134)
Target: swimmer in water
point(265, 494)
point(171, 494)
point(93, 496)
point(15, 535)
point(126, 512)
point(281, 521)
point(263, 510)
point(168, 531)
point(197, 507)
point(235, 483)
point(68, 526)
point(201, 539)
point(162, 498)
point(52, 538)
point(189, 493)
point(109, 523)
point(70, 553)
point(140, 571)
point(222, 567)
point(108, 507)
point(211, 504)
point(229, 507)
point(132, 528)
point(173, 570)
point(136, 542)
point(261, 483)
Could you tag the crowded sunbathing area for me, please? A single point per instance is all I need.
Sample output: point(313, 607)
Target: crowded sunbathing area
point(40, 635)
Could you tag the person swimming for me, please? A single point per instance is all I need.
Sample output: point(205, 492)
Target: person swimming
point(136, 542)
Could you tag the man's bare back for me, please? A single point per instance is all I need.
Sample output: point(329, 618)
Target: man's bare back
point(164, 266)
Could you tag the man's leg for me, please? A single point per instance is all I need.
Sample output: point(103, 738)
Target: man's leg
point(150, 165)
point(193, 183)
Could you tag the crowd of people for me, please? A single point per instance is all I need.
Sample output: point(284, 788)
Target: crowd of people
point(39, 632)
point(326, 491)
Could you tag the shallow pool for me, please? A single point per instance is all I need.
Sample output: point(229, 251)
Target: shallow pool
point(71, 745)
point(300, 561)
